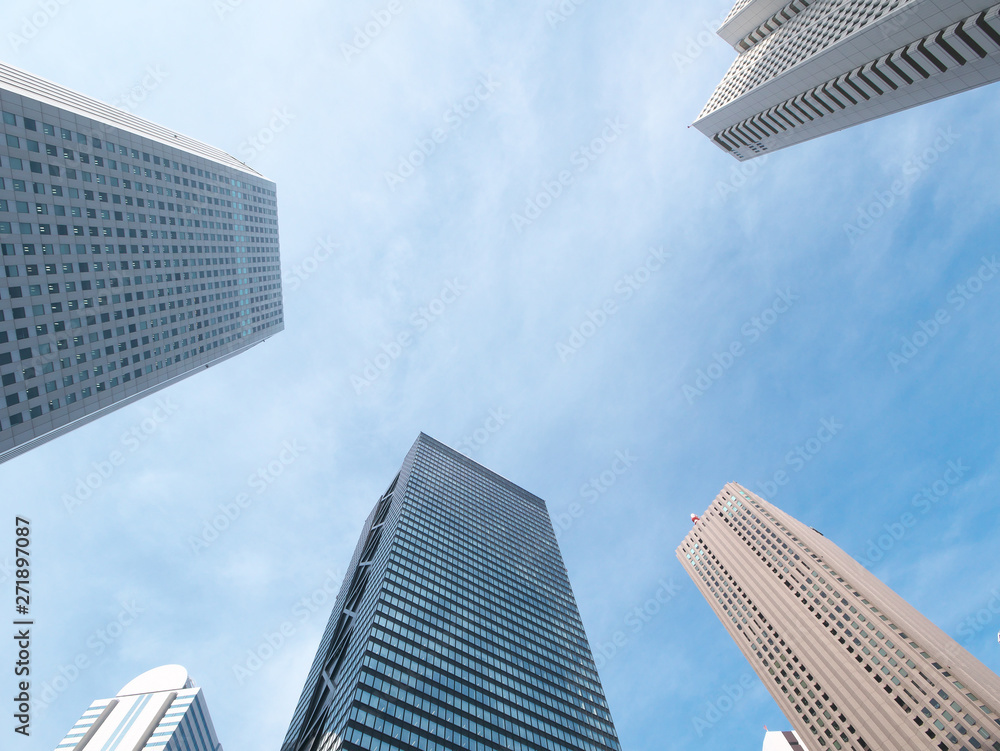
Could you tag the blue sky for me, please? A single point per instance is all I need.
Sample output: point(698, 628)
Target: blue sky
point(488, 305)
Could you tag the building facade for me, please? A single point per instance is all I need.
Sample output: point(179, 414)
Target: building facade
point(777, 740)
point(806, 68)
point(133, 257)
point(161, 710)
point(851, 664)
point(455, 628)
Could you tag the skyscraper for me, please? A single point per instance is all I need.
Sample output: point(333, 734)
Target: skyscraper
point(133, 257)
point(811, 67)
point(851, 664)
point(161, 709)
point(455, 628)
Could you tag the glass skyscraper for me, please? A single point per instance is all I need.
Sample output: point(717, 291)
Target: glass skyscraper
point(455, 628)
point(133, 257)
point(161, 710)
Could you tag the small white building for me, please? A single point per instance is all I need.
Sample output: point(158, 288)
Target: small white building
point(776, 740)
point(161, 709)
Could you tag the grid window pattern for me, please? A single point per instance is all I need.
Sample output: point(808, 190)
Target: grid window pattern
point(128, 263)
point(949, 50)
point(467, 633)
point(806, 34)
point(817, 66)
point(851, 664)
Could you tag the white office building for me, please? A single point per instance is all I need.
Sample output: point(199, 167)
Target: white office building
point(161, 710)
point(133, 256)
point(777, 740)
point(811, 67)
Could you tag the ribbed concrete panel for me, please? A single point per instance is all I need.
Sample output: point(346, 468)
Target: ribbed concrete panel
point(893, 54)
point(753, 16)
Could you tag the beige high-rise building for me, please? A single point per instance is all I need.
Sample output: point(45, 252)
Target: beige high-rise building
point(852, 664)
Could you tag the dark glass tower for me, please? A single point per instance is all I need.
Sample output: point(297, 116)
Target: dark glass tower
point(456, 627)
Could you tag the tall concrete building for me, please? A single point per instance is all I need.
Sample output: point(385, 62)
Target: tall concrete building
point(161, 710)
point(852, 664)
point(455, 628)
point(806, 68)
point(133, 257)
